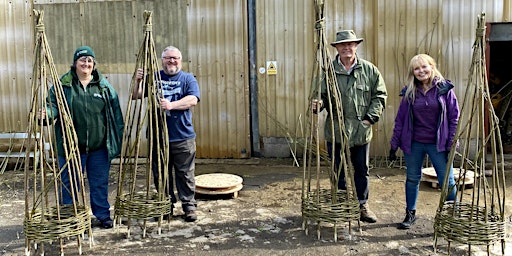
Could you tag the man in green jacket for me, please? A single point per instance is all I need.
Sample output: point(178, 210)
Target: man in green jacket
point(363, 97)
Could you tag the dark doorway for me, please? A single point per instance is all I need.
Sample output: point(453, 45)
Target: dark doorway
point(500, 77)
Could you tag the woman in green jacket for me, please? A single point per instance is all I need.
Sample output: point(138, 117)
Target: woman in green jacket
point(98, 122)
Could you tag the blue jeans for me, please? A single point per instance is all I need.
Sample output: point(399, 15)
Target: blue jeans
point(359, 157)
point(414, 164)
point(97, 166)
point(182, 155)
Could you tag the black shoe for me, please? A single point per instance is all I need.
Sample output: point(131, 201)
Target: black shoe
point(190, 216)
point(410, 218)
point(107, 223)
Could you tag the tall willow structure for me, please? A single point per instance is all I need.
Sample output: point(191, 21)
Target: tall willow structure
point(323, 202)
point(477, 216)
point(136, 196)
point(46, 218)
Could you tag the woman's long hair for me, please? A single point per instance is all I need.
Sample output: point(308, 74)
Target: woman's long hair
point(412, 82)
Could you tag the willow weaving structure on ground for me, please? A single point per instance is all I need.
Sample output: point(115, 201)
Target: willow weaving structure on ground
point(137, 196)
point(477, 216)
point(46, 218)
point(323, 202)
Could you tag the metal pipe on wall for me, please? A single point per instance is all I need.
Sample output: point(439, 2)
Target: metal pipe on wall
point(253, 79)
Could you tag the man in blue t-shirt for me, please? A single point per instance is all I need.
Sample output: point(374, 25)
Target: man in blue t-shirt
point(179, 93)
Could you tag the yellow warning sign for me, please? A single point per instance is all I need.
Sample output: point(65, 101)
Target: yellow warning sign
point(271, 67)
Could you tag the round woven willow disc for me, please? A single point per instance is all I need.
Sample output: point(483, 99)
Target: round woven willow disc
point(218, 181)
point(430, 175)
point(221, 191)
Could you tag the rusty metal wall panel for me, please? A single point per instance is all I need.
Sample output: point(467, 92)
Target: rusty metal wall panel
point(16, 46)
point(403, 29)
point(114, 29)
point(216, 53)
point(442, 29)
point(212, 36)
point(360, 16)
point(394, 31)
point(285, 52)
point(218, 59)
point(285, 38)
point(459, 34)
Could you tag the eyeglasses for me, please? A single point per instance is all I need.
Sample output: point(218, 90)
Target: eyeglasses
point(170, 58)
point(86, 59)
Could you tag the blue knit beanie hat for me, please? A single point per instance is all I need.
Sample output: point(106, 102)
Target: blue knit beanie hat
point(83, 51)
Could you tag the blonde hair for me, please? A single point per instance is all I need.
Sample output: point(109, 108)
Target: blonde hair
point(412, 82)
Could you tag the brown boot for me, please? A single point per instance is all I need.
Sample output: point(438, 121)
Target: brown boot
point(366, 214)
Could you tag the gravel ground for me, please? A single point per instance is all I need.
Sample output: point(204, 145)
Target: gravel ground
point(264, 219)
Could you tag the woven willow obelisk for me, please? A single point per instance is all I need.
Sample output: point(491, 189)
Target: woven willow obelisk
point(46, 219)
point(322, 202)
point(477, 216)
point(136, 196)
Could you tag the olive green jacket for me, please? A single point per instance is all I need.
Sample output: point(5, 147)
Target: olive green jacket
point(363, 97)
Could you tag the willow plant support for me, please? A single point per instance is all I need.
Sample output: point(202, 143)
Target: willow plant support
point(137, 197)
point(46, 218)
point(322, 201)
point(477, 215)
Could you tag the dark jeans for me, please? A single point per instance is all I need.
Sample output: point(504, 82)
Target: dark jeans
point(182, 157)
point(359, 157)
point(97, 166)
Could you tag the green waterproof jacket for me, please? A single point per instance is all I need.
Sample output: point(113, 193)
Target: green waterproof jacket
point(111, 125)
point(363, 97)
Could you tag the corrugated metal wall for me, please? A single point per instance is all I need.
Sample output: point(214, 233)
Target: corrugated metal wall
point(394, 31)
point(417, 27)
point(218, 49)
point(285, 40)
point(213, 37)
point(210, 34)
point(16, 44)
point(114, 29)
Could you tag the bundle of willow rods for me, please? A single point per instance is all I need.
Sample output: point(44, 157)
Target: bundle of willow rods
point(478, 219)
point(131, 201)
point(46, 219)
point(321, 203)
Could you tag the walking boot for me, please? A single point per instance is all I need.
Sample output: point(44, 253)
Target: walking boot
point(410, 218)
point(366, 214)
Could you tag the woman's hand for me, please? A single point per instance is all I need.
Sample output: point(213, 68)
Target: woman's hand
point(41, 114)
point(316, 105)
point(392, 155)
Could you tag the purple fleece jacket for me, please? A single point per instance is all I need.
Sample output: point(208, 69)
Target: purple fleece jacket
point(446, 126)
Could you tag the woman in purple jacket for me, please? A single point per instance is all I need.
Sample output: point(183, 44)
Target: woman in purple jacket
point(425, 124)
